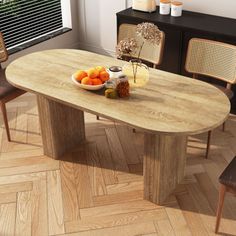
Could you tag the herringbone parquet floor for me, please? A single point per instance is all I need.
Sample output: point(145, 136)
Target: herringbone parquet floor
point(97, 190)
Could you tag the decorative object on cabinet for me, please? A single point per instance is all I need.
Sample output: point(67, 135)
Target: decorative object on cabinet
point(144, 5)
point(176, 8)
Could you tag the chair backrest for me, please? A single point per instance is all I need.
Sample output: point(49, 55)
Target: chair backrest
point(3, 50)
point(151, 53)
point(211, 58)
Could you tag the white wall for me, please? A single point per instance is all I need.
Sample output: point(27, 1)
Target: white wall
point(98, 24)
point(226, 8)
point(98, 19)
point(67, 40)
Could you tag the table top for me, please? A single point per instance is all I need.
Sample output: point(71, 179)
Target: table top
point(168, 104)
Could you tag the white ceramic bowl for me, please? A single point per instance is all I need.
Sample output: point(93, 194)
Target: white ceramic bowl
point(85, 86)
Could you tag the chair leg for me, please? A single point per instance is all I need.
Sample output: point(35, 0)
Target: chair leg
point(208, 143)
point(97, 117)
point(222, 191)
point(4, 113)
point(223, 127)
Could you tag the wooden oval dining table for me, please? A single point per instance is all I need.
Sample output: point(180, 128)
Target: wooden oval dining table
point(167, 110)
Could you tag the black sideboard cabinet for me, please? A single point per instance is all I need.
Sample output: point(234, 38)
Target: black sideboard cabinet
point(179, 30)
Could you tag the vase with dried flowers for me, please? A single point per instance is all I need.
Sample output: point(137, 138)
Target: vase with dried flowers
point(132, 48)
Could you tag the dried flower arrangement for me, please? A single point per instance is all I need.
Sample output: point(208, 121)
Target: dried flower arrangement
point(148, 32)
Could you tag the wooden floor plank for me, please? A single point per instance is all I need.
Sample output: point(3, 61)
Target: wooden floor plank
point(126, 136)
point(69, 193)
point(104, 154)
point(16, 187)
point(191, 215)
point(124, 230)
point(118, 198)
point(94, 171)
point(125, 187)
point(7, 198)
point(118, 155)
point(55, 207)
point(133, 206)
point(83, 187)
point(178, 221)
point(97, 190)
point(7, 219)
point(23, 214)
point(164, 228)
point(92, 223)
point(39, 211)
point(27, 165)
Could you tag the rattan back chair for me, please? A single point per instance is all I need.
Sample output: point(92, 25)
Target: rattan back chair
point(7, 91)
point(213, 59)
point(150, 53)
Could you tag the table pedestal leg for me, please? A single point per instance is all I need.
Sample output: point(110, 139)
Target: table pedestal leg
point(62, 127)
point(164, 165)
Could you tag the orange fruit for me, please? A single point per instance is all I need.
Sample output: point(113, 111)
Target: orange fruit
point(100, 68)
point(96, 81)
point(93, 73)
point(87, 80)
point(104, 76)
point(79, 75)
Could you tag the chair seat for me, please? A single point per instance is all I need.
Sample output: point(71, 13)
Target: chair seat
point(5, 87)
point(228, 177)
point(228, 92)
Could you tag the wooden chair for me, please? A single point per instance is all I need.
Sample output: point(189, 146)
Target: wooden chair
point(152, 54)
point(227, 184)
point(7, 91)
point(213, 59)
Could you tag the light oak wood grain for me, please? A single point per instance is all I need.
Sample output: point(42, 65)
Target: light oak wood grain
point(200, 184)
point(92, 223)
point(7, 198)
point(105, 158)
point(7, 218)
point(168, 109)
point(83, 186)
point(164, 165)
point(118, 198)
point(178, 221)
point(62, 127)
point(124, 134)
point(69, 193)
point(116, 149)
point(23, 214)
point(114, 209)
point(194, 221)
point(170, 104)
point(94, 171)
point(39, 211)
point(164, 228)
point(16, 187)
point(55, 207)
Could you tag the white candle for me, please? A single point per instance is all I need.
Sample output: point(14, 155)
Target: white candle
point(164, 7)
point(176, 9)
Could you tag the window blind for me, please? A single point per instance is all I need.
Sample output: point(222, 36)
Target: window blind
point(23, 20)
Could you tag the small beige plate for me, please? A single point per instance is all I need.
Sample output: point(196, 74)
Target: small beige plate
point(85, 86)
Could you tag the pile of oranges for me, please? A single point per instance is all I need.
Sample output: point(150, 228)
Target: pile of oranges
point(94, 76)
